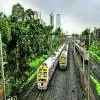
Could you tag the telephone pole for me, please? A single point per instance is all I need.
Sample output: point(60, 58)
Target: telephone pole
point(2, 68)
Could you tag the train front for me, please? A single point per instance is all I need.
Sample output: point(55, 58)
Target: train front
point(42, 77)
point(63, 60)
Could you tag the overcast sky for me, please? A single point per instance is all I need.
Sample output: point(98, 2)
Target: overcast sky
point(76, 15)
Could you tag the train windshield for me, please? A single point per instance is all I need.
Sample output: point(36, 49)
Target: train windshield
point(62, 59)
point(42, 72)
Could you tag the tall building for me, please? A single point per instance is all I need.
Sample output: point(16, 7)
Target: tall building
point(58, 21)
point(35, 15)
point(39, 15)
point(97, 32)
point(51, 19)
point(42, 22)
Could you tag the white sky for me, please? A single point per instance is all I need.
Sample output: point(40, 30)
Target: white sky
point(76, 15)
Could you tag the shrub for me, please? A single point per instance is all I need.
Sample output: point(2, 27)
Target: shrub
point(41, 59)
point(34, 64)
point(45, 56)
point(94, 55)
point(97, 84)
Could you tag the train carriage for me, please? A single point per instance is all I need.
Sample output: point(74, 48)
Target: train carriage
point(63, 58)
point(46, 70)
point(84, 54)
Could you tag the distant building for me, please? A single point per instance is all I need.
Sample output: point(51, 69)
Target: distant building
point(35, 15)
point(51, 19)
point(42, 22)
point(58, 21)
point(39, 15)
point(97, 32)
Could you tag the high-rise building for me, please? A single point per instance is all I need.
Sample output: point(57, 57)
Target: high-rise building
point(97, 32)
point(39, 15)
point(42, 22)
point(51, 19)
point(35, 15)
point(58, 21)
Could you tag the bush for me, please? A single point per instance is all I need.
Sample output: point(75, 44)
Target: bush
point(45, 56)
point(96, 83)
point(41, 60)
point(36, 62)
point(95, 51)
point(94, 55)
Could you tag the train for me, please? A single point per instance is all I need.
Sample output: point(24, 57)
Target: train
point(47, 68)
point(63, 59)
point(84, 53)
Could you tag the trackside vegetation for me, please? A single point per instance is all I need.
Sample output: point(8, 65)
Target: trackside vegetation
point(95, 51)
point(27, 42)
point(96, 83)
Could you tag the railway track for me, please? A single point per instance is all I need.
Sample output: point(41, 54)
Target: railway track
point(75, 84)
point(74, 94)
point(39, 95)
point(25, 92)
point(97, 63)
point(91, 72)
point(63, 86)
point(35, 94)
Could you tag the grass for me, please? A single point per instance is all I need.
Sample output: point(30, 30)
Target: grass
point(36, 62)
point(95, 55)
point(31, 78)
point(97, 84)
point(95, 51)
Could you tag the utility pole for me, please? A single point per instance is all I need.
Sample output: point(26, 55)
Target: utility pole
point(83, 63)
point(83, 57)
point(88, 70)
point(74, 44)
point(2, 68)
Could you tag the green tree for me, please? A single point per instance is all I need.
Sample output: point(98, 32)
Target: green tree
point(85, 37)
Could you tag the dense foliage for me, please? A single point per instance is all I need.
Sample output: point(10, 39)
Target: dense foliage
point(26, 44)
point(95, 51)
point(96, 83)
point(91, 43)
point(86, 34)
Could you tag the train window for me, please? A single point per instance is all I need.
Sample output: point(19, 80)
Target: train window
point(44, 69)
point(39, 79)
point(65, 48)
point(39, 74)
point(62, 59)
point(40, 69)
point(45, 74)
point(44, 64)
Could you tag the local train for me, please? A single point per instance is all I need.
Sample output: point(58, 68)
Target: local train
point(84, 53)
point(46, 70)
point(63, 58)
